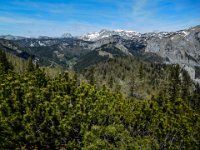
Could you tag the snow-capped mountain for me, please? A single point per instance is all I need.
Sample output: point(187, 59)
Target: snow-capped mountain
point(180, 47)
point(11, 37)
point(108, 33)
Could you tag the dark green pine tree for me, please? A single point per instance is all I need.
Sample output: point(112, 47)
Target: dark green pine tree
point(132, 86)
point(91, 77)
point(195, 101)
point(5, 64)
point(141, 71)
point(186, 85)
point(161, 98)
point(174, 82)
point(31, 66)
point(111, 82)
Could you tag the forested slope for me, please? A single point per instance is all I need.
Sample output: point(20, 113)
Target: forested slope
point(38, 112)
point(134, 77)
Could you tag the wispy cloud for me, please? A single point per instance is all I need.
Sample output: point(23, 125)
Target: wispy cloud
point(34, 17)
point(151, 15)
point(43, 6)
point(34, 27)
point(23, 21)
point(139, 7)
point(144, 10)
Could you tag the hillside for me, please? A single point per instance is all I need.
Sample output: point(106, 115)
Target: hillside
point(38, 112)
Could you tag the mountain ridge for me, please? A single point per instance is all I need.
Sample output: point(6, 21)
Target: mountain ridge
point(180, 47)
point(114, 31)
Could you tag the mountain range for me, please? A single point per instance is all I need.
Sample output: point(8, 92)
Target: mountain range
point(180, 47)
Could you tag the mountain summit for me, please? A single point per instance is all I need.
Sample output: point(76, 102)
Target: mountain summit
point(108, 33)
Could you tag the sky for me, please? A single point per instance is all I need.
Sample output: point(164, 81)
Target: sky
point(34, 18)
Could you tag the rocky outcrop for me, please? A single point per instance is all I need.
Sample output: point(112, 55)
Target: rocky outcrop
point(182, 47)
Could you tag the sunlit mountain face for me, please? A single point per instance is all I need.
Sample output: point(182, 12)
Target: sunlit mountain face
point(180, 47)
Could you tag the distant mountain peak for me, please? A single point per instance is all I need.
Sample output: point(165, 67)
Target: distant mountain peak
point(66, 35)
point(44, 37)
point(104, 33)
point(11, 37)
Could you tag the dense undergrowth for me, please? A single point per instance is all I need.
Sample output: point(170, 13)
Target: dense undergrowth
point(38, 112)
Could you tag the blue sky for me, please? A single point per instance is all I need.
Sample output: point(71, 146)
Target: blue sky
point(55, 17)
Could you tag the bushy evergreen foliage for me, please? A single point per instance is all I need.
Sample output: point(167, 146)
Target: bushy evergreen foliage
point(38, 112)
point(137, 78)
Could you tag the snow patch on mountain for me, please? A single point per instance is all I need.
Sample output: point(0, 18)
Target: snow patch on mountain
point(41, 44)
point(32, 45)
point(185, 33)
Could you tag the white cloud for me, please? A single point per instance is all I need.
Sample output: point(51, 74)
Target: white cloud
point(35, 27)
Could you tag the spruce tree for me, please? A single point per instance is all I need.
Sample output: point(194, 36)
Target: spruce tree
point(91, 77)
point(175, 82)
point(31, 66)
point(141, 71)
point(5, 64)
point(195, 101)
point(186, 85)
point(111, 82)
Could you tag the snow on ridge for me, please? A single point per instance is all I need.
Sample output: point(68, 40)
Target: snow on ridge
point(90, 36)
point(32, 45)
point(107, 33)
point(41, 44)
point(185, 33)
point(128, 31)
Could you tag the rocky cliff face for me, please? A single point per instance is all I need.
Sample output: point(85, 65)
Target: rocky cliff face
point(181, 47)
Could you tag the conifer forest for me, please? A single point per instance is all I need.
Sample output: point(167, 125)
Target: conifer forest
point(122, 103)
